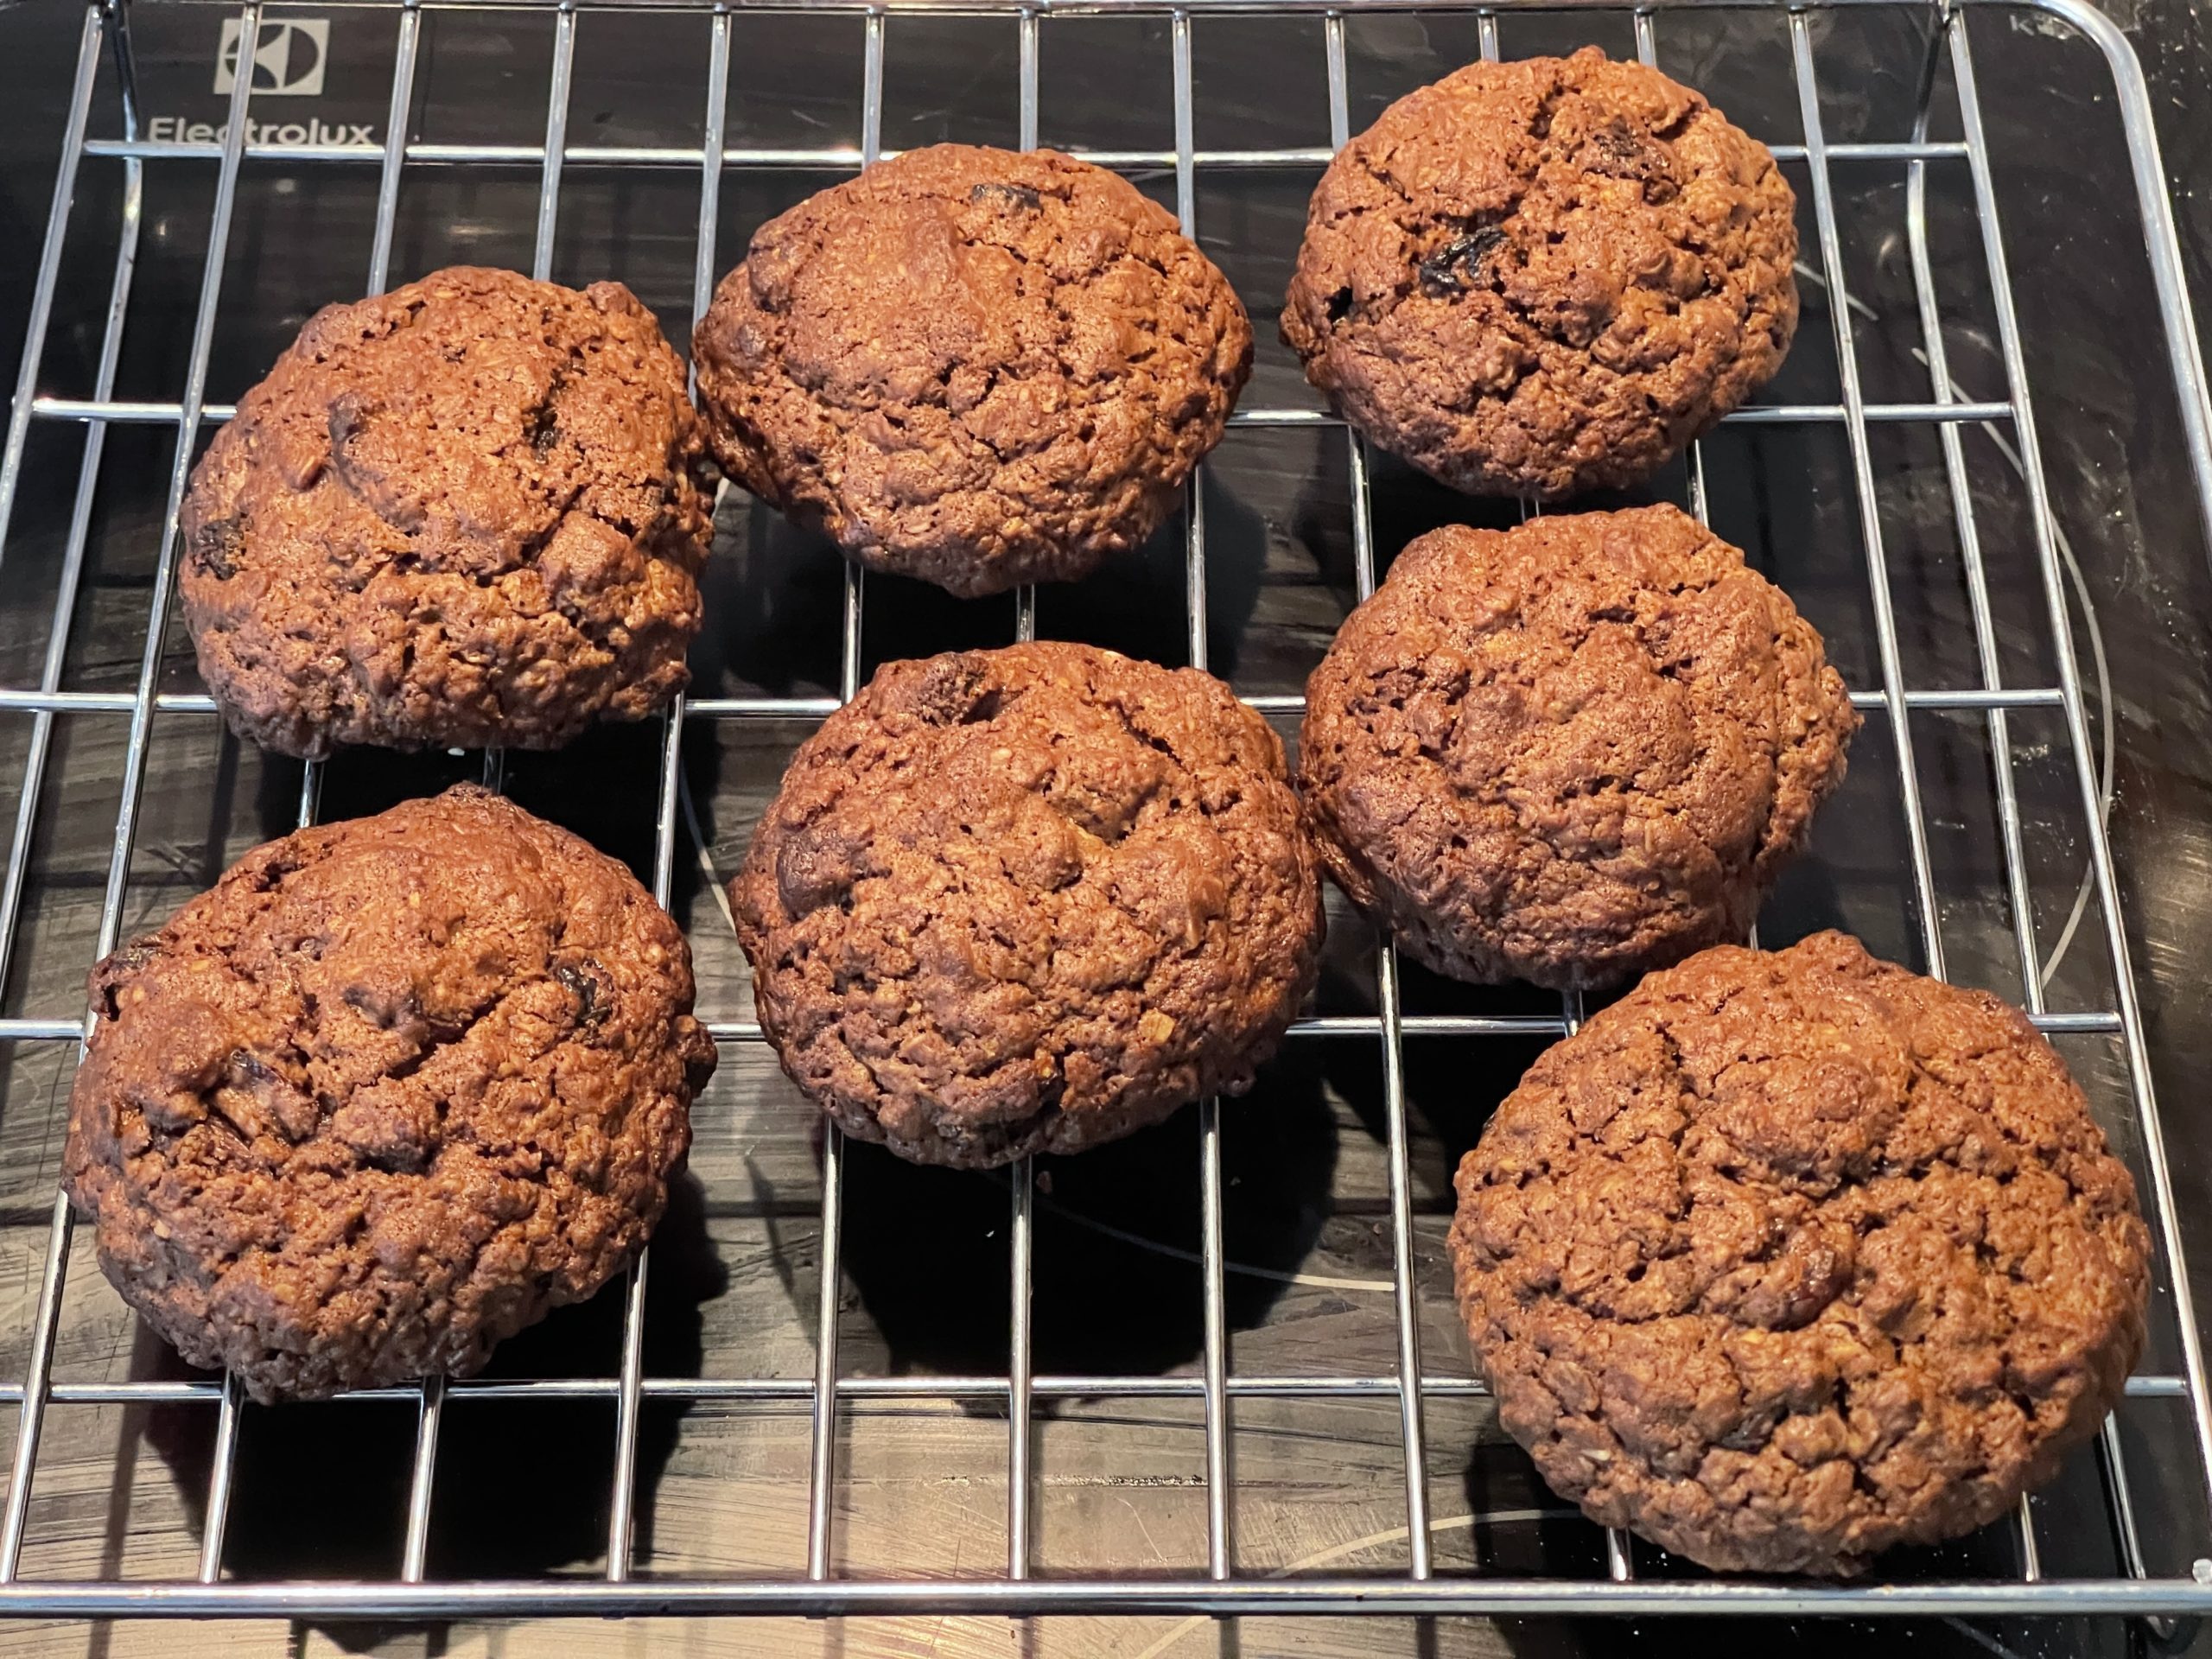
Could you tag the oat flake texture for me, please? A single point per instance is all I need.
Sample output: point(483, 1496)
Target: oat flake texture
point(470, 511)
point(390, 1091)
point(1026, 900)
point(1545, 276)
point(1787, 1258)
point(1571, 751)
point(973, 366)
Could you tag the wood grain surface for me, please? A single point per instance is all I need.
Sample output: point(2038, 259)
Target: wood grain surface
point(921, 1486)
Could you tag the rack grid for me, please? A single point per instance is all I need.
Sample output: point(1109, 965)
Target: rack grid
point(1419, 1589)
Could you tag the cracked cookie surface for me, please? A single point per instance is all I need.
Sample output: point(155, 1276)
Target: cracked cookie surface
point(1785, 1259)
point(469, 511)
point(1545, 276)
point(1027, 900)
point(977, 367)
point(1570, 752)
point(390, 1091)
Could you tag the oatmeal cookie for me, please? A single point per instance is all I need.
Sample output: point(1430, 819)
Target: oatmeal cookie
point(977, 367)
point(470, 512)
point(1546, 276)
point(1787, 1258)
point(1570, 752)
point(1027, 900)
point(390, 1091)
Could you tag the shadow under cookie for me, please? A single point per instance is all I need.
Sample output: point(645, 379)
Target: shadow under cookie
point(1118, 1286)
point(522, 1487)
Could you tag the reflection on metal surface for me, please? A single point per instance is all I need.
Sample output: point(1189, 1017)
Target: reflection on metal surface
point(1987, 694)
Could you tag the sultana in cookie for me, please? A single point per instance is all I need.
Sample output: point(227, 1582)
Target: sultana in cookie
point(470, 512)
point(1544, 276)
point(1027, 900)
point(390, 1091)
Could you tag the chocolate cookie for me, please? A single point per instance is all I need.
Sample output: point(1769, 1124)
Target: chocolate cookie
point(1571, 751)
point(973, 366)
point(470, 511)
point(389, 1092)
point(1786, 1258)
point(1028, 900)
point(1546, 276)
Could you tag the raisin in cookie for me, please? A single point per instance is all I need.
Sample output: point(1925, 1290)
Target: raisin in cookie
point(470, 511)
point(1547, 276)
point(973, 366)
point(1570, 752)
point(1786, 1258)
point(389, 1092)
point(1027, 900)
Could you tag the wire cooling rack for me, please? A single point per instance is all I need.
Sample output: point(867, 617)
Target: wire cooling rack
point(1995, 699)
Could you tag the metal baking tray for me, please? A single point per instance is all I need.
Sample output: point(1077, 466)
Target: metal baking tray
point(1214, 1371)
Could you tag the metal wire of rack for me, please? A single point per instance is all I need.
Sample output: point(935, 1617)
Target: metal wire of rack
point(1419, 1589)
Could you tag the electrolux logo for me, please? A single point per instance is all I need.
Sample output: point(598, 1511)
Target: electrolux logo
point(322, 135)
point(288, 60)
point(288, 56)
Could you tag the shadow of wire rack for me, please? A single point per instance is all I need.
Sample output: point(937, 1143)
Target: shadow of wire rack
point(2014, 669)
